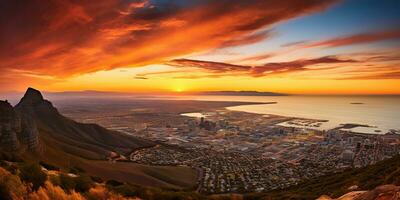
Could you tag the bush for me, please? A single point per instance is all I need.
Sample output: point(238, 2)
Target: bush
point(66, 182)
point(97, 179)
point(13, 169)
point(83, 183)
point(76, 170)
point(54, 179)
point(126, 190)
point(32, 173)
point(102, 193)
point(113, 183)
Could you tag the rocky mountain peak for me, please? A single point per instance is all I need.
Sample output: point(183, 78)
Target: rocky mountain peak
point(31, 97)
point(33, 104)
point(18, 124)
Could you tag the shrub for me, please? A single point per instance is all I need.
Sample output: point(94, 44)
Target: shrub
point(54, 179)
point(97, 179)
point(101, 193)
point(66, 182)
point(126, 190)
point(32, 173)
point(76, 170)
point(113, 183)
point(12, 168)
point(83, 183)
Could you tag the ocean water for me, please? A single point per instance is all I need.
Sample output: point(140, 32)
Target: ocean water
point(382, 113)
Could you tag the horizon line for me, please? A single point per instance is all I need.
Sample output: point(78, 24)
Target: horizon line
point(199, 93)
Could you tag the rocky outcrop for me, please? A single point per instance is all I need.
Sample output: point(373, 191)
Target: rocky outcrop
point(383, 192)
point(35, 124)
point(17, 125)
point(26, 110)
point(10, 125)
point(30, 133)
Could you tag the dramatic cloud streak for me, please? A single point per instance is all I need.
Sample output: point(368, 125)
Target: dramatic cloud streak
point(218, 69)
point(357, 39)
point(62, 38)
point(297, 65)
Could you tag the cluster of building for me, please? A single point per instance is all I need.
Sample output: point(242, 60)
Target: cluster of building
point(254, 154)
point(242, 154)
point(359, 150)
point(224, 172)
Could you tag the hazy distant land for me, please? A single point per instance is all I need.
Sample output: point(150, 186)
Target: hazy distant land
point(240, 93)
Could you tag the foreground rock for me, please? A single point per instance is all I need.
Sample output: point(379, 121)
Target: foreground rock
point(17, 129)
point(384, 192)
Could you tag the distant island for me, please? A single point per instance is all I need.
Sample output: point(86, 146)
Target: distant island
point(356, 103)
point(240, 93)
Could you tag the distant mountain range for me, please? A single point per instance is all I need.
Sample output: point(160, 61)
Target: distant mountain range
point(94, 93)
point(107, 93)
point(240, 93)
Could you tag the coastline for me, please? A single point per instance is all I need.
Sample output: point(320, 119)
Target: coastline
point(323, 123)
point(159, 109)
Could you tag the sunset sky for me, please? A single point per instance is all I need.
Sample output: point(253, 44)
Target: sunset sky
point(300, 47)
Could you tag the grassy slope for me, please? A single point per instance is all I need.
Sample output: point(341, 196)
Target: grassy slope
point(66, 156)
point(335, 185)
point(84, 138)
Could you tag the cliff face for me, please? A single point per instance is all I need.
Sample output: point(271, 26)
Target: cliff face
point(35, 124)
point(17, 125)
point(27, 109)
point(10, 125)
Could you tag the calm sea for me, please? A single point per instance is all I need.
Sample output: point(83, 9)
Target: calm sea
point(381, 112)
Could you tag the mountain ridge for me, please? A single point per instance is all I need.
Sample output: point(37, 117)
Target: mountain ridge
point(240, 93)
point(34, 130)
point(36, 113)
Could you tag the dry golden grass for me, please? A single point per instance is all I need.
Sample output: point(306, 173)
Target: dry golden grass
point(11, 186)
point(101, 193)
point(51, 192)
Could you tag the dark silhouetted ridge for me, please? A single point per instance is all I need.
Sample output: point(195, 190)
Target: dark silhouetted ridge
point(32, 97)
point(45, 128)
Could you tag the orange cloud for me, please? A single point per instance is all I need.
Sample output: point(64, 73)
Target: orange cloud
point(357, 39)
point(257, 57)
point(297, 65)
point(219, 69)
point(62, 38)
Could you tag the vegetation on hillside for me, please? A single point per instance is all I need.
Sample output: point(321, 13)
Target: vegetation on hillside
point(21, 180)
point(335, 185)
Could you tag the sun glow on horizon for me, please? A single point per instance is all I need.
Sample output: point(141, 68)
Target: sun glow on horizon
point(179, 90)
